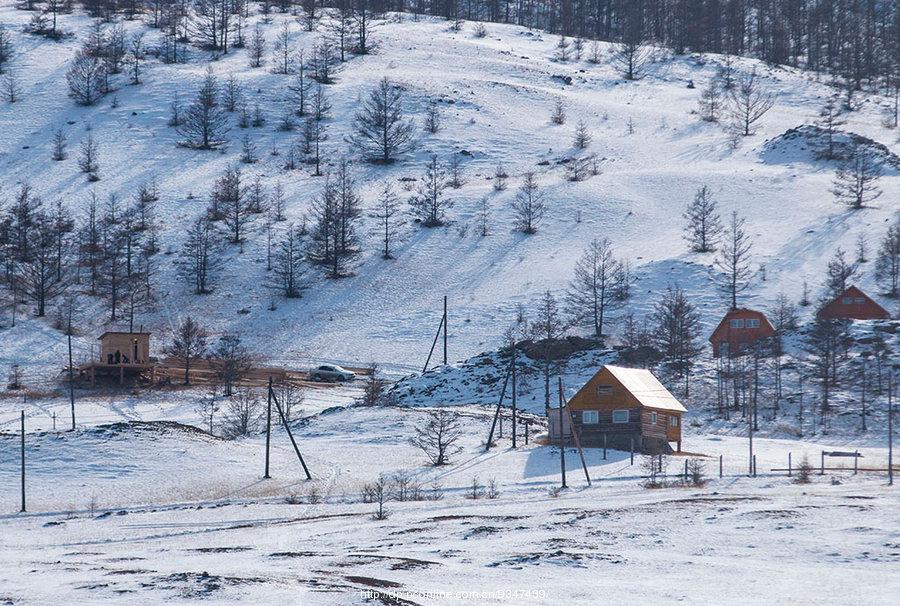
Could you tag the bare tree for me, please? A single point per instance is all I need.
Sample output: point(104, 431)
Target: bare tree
point(188, 345)
point(840, 272)
point(59, 145)
point(205, 124)
point(597, 287)
point(257, 48)
point(290, 266)
point(381, 129)
point(528, 205)
point(734, 259)
point(201, 256)
point(87, 161)
point(710, 103)
point(830, 121)
point(231, 361)
point(856, 180)
point(582, 136)
point(283, 51)
point(676, 326)
point(558, 115)
point(429, 204)
point(748, 102)
point(87, 78)
point(438, 436)
point(387, 212)
point(631, 54)
point(242, 414)
point(433, 117)
point(887, 263)
point(704, 225)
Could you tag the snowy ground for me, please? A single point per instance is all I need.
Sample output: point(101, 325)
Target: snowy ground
point(181, 516)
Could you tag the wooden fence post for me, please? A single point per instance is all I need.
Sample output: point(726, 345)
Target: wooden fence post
point(822, 468)
point(685, 470)
point(789, 464)
point(754, 466)
point(720, 466)
point(856, 462)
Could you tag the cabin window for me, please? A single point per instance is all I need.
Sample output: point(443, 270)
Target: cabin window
point(860, 300)
point(848, 300)
point(604, 390)
point(620, 416)
point(737, 323)
point(674, 421)
point(653, 418)
point(752, 323)
point(590, 417)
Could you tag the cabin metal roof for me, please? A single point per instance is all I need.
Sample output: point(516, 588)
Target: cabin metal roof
point(117, 332)
point(641, 383)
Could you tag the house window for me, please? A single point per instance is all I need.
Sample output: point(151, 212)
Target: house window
point(604, 390)
point(653, 418)
point(860, 301)
point(736, 323)
point(752, 323)
point(590, 417)
point(620, 416)
point(674, 421)
point(848, 300)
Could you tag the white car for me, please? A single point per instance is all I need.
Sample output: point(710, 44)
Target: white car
point(331, 372)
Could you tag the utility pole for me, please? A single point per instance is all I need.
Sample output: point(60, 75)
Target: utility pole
point(268, 427)
point(23, 461)
point(890, 428)
point(750, 426)
point(71, 378)
point(562, 440)
point(514, 395)
point(445, 330)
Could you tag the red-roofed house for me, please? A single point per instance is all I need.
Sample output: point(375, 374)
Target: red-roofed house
point(738, 330)
point(853, 304)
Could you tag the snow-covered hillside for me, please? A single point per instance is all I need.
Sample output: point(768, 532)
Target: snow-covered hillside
point(496, 94)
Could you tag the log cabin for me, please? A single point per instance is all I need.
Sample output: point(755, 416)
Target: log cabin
point(622, 408)
point(739, 329)
point(124, 348)
point(852, 304)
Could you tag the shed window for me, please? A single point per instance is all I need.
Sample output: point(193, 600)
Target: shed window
point(604, 390)
point(860, 301)
point(590, 417)
point(653, 418)
point(674, 421)
point(620, 416)
point(737, 323)
point(752, 323)
point(848, 300)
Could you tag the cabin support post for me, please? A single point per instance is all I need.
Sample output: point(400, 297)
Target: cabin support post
point(632, 451)
point(604, 446)
point(685, 470)
point(121, 375)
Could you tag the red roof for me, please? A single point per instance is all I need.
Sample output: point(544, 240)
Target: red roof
point(739, 328)
point(853, 304)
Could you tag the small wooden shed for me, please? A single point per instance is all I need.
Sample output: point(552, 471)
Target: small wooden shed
point(125, 348)
point(853, 304)
point(622, 408)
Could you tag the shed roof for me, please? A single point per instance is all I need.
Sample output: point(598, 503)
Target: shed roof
point(124, 332)
point(641, 383)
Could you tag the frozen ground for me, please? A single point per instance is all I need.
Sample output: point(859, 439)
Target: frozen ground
point(178, 516)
